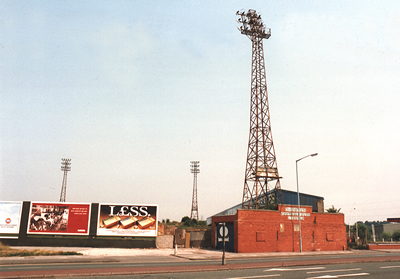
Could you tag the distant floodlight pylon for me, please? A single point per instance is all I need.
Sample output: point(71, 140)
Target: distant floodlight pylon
point(66, 167)
point(195, 169)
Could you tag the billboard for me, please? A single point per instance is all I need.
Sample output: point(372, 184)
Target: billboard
point(127, 220)
point(59, 218)
point(393, 220)
point(10, 216)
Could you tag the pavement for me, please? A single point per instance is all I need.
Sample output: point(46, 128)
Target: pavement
point(113, 254)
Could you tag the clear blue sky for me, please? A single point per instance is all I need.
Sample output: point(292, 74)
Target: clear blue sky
point(132, 91)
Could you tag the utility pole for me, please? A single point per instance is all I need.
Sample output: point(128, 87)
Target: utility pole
point(298, 197)
point(65, 167)
point(355, 209)
point(195, 169)
point(261, 174)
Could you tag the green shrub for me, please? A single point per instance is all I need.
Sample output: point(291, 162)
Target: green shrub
point(386, 236)
point(396, 236)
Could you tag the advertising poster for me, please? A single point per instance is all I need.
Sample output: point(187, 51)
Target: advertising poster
point(127, 220)
point(10, 216)
point(59, 218)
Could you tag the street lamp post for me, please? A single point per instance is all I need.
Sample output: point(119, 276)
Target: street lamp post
point(298, 195)
point(355, 209)
point(223, 255)
point(223, 241)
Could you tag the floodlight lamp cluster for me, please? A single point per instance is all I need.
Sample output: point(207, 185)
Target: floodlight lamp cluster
point(195, 166)
point(253, 25)
point(65, 164)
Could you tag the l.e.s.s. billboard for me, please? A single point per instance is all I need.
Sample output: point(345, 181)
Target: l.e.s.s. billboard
point(127, 220)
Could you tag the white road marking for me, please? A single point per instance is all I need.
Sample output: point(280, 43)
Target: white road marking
point(294, 269)
point(391, 266)
point(337, 270)
point(338, 276)
point(324, 276)
point(258, 276)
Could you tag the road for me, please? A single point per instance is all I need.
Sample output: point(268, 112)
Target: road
point(385, 270)
point(362, 263)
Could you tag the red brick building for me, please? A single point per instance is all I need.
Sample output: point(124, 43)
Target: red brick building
point(278, 231)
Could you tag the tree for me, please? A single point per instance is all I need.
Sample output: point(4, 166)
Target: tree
point(386, 236)
point(191, 223)
point(333, 210)
point(362, 231)
point(184, 219)
point(396, 235)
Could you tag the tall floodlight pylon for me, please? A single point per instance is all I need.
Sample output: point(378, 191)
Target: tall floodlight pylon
point(261, 174)
point(195, 169)
point(66, 167)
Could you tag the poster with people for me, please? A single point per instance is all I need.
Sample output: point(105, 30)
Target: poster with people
point(127, 220)
point(59, 218)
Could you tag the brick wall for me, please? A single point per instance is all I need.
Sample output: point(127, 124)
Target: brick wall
point(166, 230)
point(278, 231)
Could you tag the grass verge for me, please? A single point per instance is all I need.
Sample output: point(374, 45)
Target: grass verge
point(6, 251)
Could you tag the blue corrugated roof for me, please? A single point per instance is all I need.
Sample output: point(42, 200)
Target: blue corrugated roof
point(288, 197)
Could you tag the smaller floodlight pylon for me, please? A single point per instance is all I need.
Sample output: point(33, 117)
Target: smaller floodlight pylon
point(66, 167)
point(195, 169)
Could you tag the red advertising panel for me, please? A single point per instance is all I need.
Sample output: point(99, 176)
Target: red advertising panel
point(59, 218)
point(127, 220)
point(393, 220)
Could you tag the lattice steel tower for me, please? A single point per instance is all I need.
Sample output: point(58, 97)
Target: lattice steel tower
point(66, 167)
point(261, 168)
point(195, 169)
